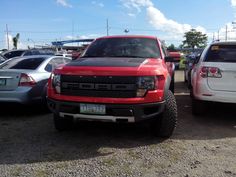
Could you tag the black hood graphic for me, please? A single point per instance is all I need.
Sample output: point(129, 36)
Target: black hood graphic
point(108, 62)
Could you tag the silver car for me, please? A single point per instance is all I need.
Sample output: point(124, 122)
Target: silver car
point(24, 79)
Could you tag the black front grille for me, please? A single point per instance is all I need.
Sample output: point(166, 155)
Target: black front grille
point(99, 86)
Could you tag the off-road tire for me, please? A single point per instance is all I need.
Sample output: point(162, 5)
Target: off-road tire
point(172, 83)
point(165, 124)
point(198, 107)
point(61, 123)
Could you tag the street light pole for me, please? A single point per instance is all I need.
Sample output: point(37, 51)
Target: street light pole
point(107, 27)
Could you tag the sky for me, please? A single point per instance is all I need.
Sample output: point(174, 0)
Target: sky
point(40, 22)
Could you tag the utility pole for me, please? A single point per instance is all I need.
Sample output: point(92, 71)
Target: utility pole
point(226, 33)
point(107, 28)
point(7, 37)
point(213, 37)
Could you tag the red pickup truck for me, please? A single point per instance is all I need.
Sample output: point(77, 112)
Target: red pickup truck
point(117, 79)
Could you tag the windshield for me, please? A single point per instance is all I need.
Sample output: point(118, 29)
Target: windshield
point(22, 63)
point(221, 53)
point(124, 47)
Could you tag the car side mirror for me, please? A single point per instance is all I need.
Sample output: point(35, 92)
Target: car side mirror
point(169, 59)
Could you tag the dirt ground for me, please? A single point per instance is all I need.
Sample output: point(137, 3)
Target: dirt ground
point(201, 146)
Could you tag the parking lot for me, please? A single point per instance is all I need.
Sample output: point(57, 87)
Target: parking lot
point(200, 146)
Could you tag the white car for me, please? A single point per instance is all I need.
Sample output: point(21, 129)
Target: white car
point(214, 76)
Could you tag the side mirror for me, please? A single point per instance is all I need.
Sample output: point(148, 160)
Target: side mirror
point(169, 59)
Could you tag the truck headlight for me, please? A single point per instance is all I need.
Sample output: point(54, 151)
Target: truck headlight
point(56, 82)
point(144, 84)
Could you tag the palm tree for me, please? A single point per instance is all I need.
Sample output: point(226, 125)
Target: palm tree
point(15, 40)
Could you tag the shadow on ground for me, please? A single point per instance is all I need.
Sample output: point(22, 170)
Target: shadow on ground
point(28, 135)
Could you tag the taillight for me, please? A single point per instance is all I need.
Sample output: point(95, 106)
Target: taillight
point(210, 72)
point(26, 80)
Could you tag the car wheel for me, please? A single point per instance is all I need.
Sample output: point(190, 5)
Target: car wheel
point(61, 123)
point(198, 107)
point(172, 83)
point(165, 124)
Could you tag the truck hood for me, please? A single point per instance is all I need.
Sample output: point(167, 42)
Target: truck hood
point(113, 66)
point(108, 62)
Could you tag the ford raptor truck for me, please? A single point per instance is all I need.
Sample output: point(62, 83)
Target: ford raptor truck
point(116, 79)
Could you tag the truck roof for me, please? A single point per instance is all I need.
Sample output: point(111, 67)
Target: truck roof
point(128, 36)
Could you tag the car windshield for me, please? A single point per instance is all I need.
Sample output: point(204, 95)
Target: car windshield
point(124, 47)
point(23, 63)
point(221, 53)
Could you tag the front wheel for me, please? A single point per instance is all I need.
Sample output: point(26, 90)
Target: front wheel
point(165, 124)
point(172, 83)
point(61, 123)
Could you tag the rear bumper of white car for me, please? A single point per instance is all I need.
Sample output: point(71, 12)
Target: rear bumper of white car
point(201, 91)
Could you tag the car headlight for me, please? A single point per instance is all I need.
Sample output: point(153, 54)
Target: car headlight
point(56, 82)
point(144, 84)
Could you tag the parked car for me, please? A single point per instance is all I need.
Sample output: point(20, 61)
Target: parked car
point(177, 57)
point(3, 50)
point(189, 64)
point(117, 79)
point(27, 52)
point(23, 79)
point(2, 58)
point(214, 76)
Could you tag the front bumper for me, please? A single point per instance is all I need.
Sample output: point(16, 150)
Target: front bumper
point(114, 112)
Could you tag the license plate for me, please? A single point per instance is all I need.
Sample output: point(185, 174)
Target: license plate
point(2, 82)
point(92, 109)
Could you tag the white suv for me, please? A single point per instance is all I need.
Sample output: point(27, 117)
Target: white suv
point(214, 76)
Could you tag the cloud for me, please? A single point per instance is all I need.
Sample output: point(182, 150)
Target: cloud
point(64, 3)
point(136, 4)
point(131, 15)
point(100, 4)
point(233, 3)
point(158, 20)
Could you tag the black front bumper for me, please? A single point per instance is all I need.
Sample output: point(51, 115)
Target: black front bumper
point(118, 112)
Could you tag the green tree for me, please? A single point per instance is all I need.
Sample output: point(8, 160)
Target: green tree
point(171, 48)
point(194, 38)
point(16, 40)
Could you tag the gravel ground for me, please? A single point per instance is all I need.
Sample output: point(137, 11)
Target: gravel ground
point(201, 146)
